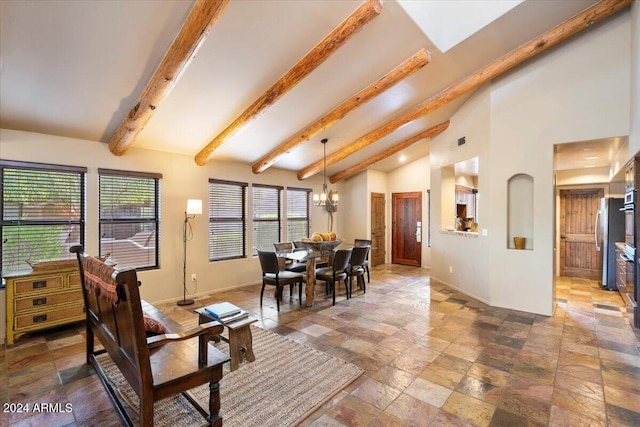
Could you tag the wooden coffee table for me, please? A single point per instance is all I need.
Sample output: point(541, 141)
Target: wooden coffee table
point(240, 340)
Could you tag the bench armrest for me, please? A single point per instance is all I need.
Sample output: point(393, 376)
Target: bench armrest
point(210, 328)
point(203, 332)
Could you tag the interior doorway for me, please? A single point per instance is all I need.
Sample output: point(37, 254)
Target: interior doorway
point(406, 232)
point(577, 211)
point(378, 241)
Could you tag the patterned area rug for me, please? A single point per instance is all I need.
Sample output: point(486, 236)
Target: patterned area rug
point(286, 383)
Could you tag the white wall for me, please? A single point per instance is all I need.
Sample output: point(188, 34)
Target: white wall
point(582, 176)
point(355, 224)
point(512, 125)
point(182, 180)
point(562, 96)
point(462, 261)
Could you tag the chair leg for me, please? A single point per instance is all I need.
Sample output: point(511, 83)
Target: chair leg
point(261, 293)
point(364, 285)
point(333, 285)
point(300, 292)
point(368, 276)
point(278, 296)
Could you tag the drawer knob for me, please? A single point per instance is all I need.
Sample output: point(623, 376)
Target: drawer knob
point(39, 301)
point(40, 318)
point(40, 284)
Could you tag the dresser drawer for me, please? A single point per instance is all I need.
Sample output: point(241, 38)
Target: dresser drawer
point(49, 318)
point(42, 284)
point(74, 280)
point(46, 301)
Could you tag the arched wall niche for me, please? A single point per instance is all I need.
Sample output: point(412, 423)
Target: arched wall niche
point(520, 210)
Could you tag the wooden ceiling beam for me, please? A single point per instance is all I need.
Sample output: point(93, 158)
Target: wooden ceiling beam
point(561, 32)
point(361, 16)
point(433, 131)
point(202, 18)
point(408, 67)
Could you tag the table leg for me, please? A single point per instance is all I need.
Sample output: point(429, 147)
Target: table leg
point(310, 290)
point(240, 346)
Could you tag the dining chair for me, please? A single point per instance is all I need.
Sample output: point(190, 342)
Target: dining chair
point(336, 273)
point(356, 267)
point(289, 265)
point(271, 275)
point(364, 242)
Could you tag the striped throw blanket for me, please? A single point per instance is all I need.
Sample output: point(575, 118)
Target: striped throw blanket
point(97, 279)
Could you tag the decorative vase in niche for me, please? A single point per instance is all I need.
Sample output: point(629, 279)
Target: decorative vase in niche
point(519, 242)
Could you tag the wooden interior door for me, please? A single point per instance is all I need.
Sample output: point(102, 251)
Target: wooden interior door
point(578, 255)
point(406, 214)
point(378, 240)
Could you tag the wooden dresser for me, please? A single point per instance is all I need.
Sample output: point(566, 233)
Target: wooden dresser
point(42, 299)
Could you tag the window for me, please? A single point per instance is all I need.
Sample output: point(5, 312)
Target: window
point(227, 220)
point(129, 211)
point(298, 219)
point(43, 212)
point(266, 217)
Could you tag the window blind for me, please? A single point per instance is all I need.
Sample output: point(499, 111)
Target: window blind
point(129, 211)
point(43, 212)
point(298, 219)
point(227, 220)
point(266, 217)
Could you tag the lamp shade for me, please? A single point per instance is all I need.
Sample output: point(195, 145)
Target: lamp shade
point(194, 207)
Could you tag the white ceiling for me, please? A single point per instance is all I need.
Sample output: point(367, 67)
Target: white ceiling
point(595, 153)
point(75, 68)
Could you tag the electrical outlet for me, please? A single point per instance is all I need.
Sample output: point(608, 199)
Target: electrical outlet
point(193, 277)
point(450, 269)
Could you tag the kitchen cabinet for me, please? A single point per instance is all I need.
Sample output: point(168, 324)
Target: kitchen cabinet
point(621, 270)
point(631, 174)
point(42, 299)
point(466, 197)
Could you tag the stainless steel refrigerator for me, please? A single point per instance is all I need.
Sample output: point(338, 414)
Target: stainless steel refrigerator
point(609, 230)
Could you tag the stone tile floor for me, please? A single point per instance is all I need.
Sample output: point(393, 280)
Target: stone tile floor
point(433, 357)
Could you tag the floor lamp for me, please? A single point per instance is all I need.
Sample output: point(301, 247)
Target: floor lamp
point(194, 207)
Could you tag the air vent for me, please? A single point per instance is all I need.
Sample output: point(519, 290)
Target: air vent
point(454, 145)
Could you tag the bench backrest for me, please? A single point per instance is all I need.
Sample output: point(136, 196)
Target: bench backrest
point(119, 326)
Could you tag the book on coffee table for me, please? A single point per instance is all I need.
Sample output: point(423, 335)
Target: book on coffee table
point(223, 310)
point(229, 319)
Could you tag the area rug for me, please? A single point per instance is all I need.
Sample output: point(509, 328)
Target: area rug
point(285, 384)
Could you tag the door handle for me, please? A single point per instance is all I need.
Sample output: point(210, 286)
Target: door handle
point(563, 237)
point(596, 227)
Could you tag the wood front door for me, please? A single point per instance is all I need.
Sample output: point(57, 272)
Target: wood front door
point(578, 255)
point(378, 251)
point(406, 214)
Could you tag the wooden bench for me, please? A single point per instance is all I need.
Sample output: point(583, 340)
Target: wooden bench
point(156, 367)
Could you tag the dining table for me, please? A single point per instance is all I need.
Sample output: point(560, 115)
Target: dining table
point(309, 256)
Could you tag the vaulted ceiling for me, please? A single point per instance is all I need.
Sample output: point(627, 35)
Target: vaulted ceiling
point(77, 68)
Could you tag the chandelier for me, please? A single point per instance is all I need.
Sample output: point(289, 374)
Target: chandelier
point(328, 198)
